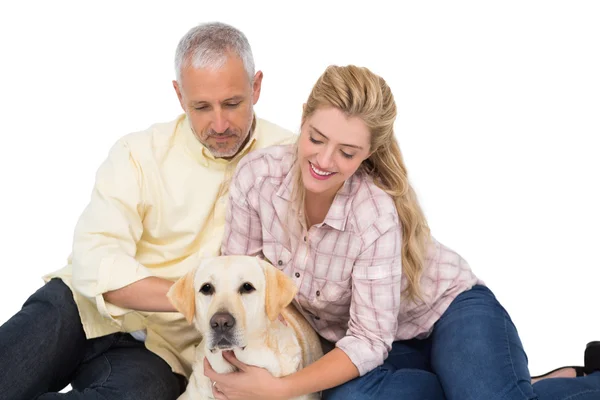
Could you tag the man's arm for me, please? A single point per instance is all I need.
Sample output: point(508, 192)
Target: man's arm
point(105, 242)
point(148, 294)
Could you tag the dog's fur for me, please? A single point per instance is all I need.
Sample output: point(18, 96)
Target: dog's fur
point(257, 337)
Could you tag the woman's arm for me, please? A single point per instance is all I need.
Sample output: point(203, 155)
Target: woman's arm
point(376, 289)
point(255, 383)
point(333, 369)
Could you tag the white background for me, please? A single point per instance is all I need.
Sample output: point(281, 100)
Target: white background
point(499, 123)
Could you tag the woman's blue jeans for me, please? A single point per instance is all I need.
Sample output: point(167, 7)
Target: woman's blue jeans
point(473, 353)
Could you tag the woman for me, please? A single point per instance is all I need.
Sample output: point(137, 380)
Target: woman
point(408, 317)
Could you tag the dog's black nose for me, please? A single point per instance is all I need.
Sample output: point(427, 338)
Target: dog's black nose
point(222, 322)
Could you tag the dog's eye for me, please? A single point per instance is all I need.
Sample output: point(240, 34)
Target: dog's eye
point(207, 289)
point(246, 288)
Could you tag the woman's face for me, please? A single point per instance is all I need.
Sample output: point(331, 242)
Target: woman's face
point(331, 147)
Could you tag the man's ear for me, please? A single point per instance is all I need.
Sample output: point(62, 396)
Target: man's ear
point(256, 86)
point(183, 296)
point(179, 95)
point(279, 291)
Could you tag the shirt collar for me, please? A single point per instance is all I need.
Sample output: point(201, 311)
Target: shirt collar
point(203, 154)
point(286, 189)
point(340, 209)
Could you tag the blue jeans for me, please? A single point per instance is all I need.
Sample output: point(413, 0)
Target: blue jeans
point(43, 349)
point(473, 353)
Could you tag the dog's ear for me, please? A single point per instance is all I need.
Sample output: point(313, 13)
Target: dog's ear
point(279, 292)
point(183, 296)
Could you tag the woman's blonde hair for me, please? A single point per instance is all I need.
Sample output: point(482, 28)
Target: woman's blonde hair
point(358, 92)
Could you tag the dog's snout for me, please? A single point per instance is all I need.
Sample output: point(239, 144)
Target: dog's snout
point(222, 322)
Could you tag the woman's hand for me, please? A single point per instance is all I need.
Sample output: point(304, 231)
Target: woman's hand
point(249, 383)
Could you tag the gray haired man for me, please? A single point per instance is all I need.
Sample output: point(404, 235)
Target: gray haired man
point(103, 323)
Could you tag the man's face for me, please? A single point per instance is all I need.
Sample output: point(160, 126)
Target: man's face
point(219, 104)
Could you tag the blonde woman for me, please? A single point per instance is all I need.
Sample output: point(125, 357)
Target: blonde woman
point(407, 316)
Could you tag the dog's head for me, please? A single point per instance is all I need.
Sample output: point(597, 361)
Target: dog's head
point(230, 299)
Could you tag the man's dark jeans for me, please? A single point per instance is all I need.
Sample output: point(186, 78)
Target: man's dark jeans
point(43, 349)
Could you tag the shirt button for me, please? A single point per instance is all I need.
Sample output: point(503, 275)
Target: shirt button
point(305, 238)
point(279, 262)
point(317, 318)
point(318, 292)
point(297, 274)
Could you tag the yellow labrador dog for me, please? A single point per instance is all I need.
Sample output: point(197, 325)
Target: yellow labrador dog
point(235, 302)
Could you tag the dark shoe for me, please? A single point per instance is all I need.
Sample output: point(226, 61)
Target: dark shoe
point(591, 362)
point(579, 371)
point(592, 357)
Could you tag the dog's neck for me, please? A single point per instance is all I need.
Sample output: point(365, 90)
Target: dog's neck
point(218, 362)
point(258, 345)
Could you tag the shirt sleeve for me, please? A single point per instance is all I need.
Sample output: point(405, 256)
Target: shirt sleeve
point(375, 304)
point(106, 234)
point(243, 230)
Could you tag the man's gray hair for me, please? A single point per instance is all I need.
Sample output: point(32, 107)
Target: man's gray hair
point(207, 45)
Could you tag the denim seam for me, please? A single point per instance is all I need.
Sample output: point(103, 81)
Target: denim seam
point(576, 395)
point(100, 385)
point(512, 364)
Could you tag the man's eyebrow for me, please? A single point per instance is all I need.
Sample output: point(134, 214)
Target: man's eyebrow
point(342, 144)
point(234, 98)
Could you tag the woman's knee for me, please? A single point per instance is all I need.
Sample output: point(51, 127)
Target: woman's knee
point(478, 295)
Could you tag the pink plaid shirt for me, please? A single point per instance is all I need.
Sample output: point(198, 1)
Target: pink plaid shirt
point(348, 268)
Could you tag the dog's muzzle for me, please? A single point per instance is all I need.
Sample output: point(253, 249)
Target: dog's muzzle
point(222, 324)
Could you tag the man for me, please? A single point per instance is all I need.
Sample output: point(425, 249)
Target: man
point(103, 323)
